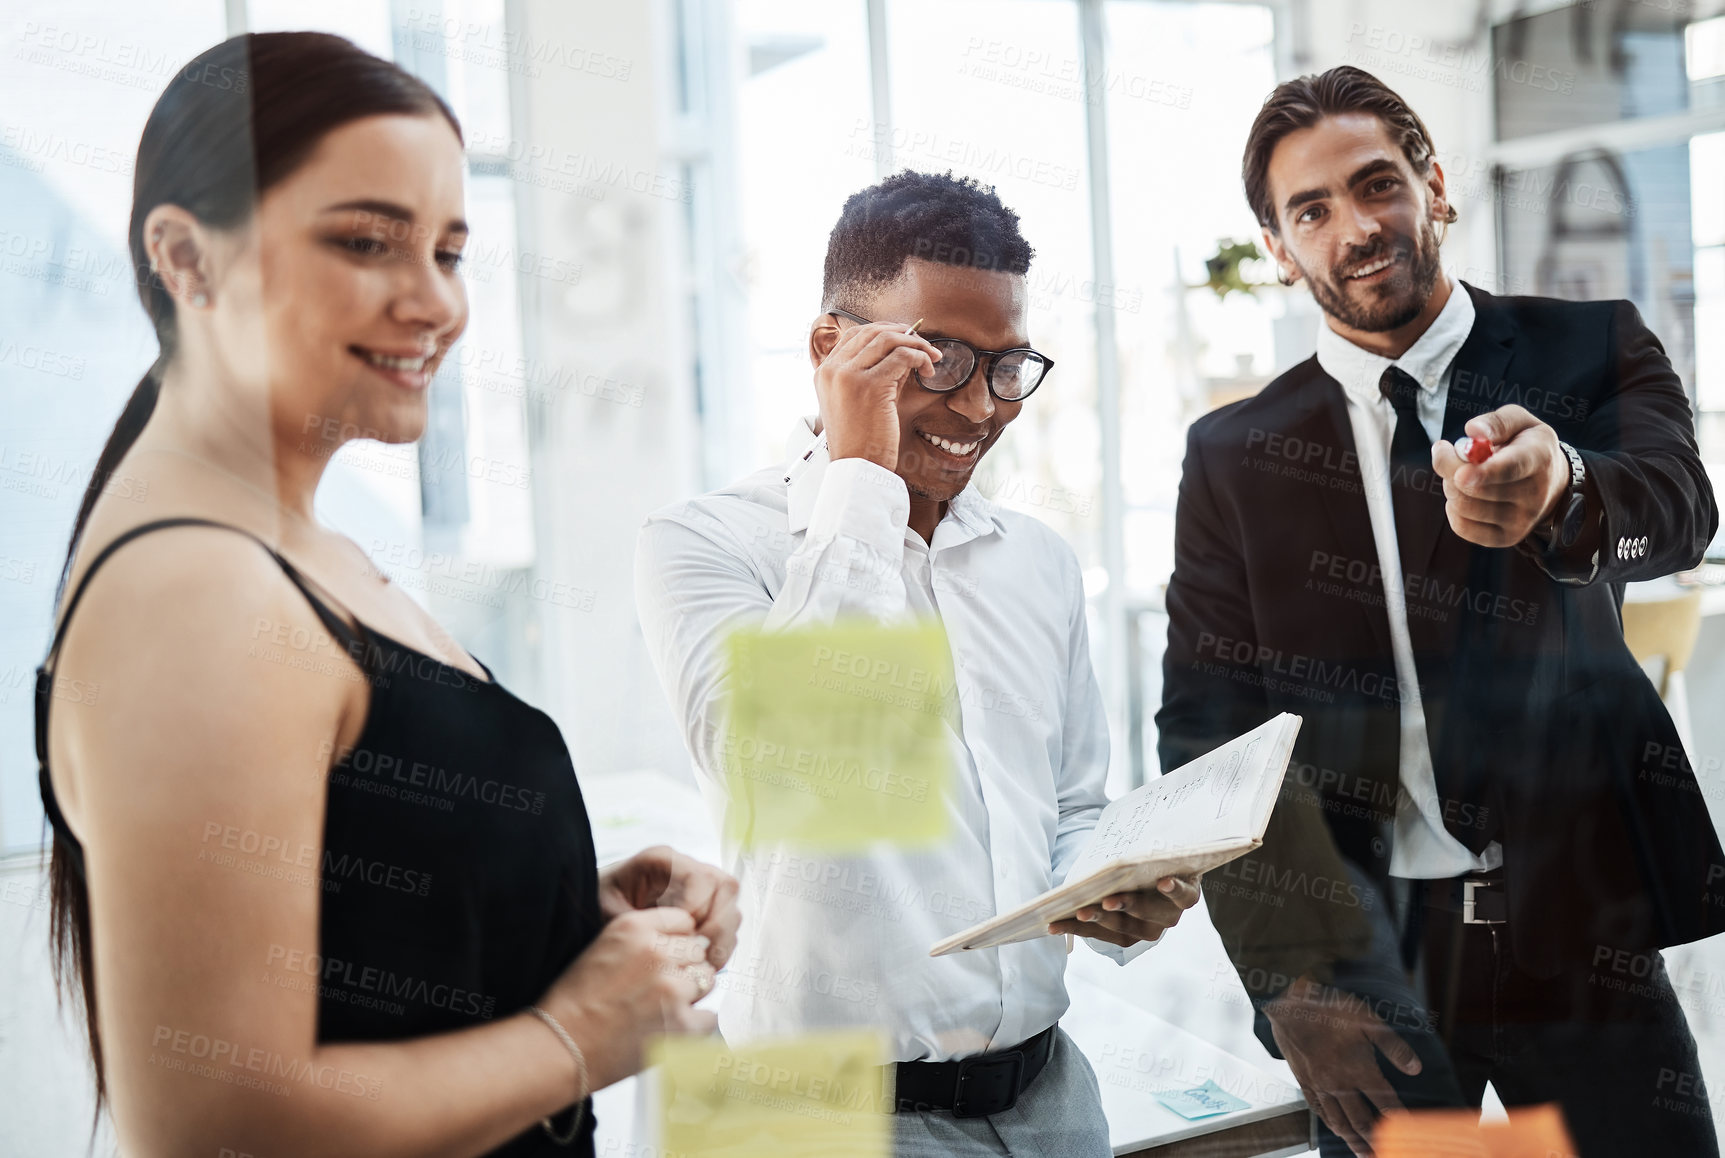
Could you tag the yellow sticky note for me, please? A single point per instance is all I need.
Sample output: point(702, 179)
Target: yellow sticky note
point(838, 736)
point(820, 1094)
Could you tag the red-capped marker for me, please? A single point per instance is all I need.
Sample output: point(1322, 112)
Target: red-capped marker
point(1475, 450)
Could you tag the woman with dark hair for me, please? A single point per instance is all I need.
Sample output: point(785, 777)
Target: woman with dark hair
point(322, 885)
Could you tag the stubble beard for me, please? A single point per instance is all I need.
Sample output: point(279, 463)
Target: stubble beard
point(1383, 314)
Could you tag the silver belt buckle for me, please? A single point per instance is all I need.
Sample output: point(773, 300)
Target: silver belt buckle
point(1467, 904)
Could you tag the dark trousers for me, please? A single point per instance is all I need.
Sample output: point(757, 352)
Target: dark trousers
point(1606, 1042)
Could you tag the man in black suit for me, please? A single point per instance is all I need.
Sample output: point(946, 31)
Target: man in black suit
point(1489, 827)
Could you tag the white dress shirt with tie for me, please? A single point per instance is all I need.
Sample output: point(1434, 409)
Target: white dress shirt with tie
point(831, 941)
point(1423, 848)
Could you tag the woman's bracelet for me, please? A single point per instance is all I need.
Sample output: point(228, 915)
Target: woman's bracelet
point(580, 1080)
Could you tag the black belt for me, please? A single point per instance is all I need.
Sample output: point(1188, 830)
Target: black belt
point(1480, 898)
point(974, 1087)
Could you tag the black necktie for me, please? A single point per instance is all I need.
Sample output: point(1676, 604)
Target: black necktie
point(1416, 497)
point(1418, 510)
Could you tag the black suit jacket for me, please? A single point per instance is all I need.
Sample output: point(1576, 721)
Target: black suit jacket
point(1545, 734)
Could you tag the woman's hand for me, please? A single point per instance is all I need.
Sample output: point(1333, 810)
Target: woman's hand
point(663, 877)
point(639, 978)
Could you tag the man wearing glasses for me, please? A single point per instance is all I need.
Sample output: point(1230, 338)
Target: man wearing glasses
point(921, 359)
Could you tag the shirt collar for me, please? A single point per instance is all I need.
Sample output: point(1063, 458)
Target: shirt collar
point(1426, 360)
point(805, 465)
point(806, 461)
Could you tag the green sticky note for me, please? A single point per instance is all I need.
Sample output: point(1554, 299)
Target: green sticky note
point(820, 1094)
point(838, 737)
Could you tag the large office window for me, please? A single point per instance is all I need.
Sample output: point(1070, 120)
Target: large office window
point(1707, 226)
point(1181, 347)
point(72, 105)
point(793, 50)
point(995, 107)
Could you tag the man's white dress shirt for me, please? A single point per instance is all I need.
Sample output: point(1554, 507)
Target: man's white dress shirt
point(1424, 848)
point(830, 941)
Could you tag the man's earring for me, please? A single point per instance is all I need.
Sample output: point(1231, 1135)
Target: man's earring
point(1285, 277)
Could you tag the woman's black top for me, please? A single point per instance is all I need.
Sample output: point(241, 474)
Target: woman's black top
point(457, 872)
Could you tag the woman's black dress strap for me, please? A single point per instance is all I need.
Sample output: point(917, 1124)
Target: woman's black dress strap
point(337, 626)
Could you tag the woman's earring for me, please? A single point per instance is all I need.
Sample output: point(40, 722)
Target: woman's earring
point(200, 300)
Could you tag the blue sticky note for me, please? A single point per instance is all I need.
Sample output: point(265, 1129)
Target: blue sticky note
point(1203, 1101)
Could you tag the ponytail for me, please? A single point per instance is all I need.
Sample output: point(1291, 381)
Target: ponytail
point(68, 895)
point(131, 423)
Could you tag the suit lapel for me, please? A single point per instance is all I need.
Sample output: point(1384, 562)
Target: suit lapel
point(1479, 366)
point(1448, 649)
point(1323, 420)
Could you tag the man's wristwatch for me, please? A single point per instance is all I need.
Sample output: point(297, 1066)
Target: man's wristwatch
point(1561, 531)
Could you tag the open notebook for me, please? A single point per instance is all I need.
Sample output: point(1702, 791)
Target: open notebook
point(1198, 816)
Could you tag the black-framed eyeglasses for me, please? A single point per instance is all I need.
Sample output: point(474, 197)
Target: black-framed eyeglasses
point(1013, 375)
